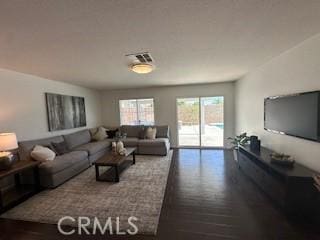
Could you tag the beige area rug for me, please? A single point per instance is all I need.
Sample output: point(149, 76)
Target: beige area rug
point(139, 193)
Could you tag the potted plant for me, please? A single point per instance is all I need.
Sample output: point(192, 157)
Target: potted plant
point(236, 141)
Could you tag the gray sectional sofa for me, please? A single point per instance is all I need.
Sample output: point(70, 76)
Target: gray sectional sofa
point(82, 154)
point(83, 151)
point(135, 138)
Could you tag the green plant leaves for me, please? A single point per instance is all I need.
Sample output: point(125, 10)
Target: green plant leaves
point(241, 139)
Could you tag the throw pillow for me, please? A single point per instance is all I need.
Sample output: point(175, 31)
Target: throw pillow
point(151, 133)
point(60, 148)
point(142, 133)
point(42, 154)
point(112, 133)
point(100, 135)
point(93, 131)
point(50, 147)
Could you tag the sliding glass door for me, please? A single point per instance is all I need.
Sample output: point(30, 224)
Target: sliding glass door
point(212, 123)
point(188, 121)
point(200, 121)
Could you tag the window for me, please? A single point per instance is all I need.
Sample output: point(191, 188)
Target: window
point(137, 111)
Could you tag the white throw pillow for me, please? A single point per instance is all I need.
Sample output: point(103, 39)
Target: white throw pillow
point(100, 135)
point(151, 133)
point(42, 154)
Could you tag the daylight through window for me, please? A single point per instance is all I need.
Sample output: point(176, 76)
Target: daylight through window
point(137, 111)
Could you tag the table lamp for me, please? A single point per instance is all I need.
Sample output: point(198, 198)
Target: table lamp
point(8, 141)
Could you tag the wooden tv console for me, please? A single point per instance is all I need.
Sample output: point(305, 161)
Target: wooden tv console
point(290, 188)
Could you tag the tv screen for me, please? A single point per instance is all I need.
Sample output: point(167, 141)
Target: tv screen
point(296, 115)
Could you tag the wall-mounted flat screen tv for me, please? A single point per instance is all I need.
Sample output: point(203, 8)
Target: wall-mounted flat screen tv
point(295, 115)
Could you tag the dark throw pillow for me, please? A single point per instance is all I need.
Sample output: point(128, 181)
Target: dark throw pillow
point(60, 148)
point(142, 133)
point(50, 147)
point(112, 133)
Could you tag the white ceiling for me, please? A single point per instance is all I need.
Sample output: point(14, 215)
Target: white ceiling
point(192, 41)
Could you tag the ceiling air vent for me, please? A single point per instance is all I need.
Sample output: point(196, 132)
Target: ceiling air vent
point(144, 57)
point(140, 62)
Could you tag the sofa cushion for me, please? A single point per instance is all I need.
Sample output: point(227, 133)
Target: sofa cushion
point(130, 142)
point(162, 131)
point(93, 147)
point(109, 140)
point(62, 162)
point(42, 154)
point(143, 132)
point(26, 147)
point(60, 148)
point(93, 131)
point(151, 133)
point(78, 138)
point(131, 131)
point(100, 135)
point(154, 142)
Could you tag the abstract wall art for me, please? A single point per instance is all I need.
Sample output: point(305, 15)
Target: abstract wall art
point(65, 112)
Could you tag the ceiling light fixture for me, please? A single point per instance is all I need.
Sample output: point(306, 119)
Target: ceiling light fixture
point(142, 68)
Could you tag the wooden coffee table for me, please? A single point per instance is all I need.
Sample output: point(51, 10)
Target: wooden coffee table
point(117, 164)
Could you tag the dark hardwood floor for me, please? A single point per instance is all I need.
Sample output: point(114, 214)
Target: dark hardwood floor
point(207, 197)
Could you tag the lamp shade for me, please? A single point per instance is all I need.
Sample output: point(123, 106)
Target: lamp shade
point(8, 141)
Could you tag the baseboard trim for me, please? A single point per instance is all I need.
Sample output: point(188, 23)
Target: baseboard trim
point(204, 148)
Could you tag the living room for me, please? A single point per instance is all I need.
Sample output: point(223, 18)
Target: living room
point(123, 119)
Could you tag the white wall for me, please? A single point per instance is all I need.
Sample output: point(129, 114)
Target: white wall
point(23, 106)
point(165, 104)
point(296, 70)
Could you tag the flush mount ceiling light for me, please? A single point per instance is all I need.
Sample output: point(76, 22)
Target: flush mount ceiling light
point(141, 63)
point(142, 68)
